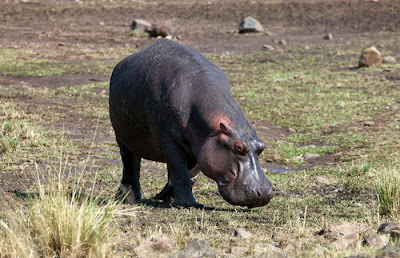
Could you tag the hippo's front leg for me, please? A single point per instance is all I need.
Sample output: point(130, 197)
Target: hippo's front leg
point(167, 193)
point(179, 175)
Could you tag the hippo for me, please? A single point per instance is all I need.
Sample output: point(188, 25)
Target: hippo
point(170, 104)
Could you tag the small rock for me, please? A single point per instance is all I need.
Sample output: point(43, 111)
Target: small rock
point(333, 125)
point(139, 25)
point(155, 248)
point(309, 156)
point(178, 37)
point(328, 36)
point(369, 123)
point(243, 233)
point(311, 146)
point(101, 23)
point(282, 42)
point(377, 241)
point(269, 47)
point(268, 33)
point(267, 250)
point(306, 47)
point(249, 24)
point(387, 227)
point(298, 158)
point(370, 57)
point(239, 251)
point(195, 249)
point(169, 37)
point(158, 29)
point(322, 180)
point(389, 60)
point(291, 130)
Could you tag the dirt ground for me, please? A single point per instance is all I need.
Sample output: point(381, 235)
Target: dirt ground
point(74, 31)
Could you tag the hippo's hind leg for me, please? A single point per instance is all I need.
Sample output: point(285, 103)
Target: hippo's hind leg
point(129, 189)
point(167, 193)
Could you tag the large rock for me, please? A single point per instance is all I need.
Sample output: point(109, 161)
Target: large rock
point(155, 248)
point(196, 249)
point(249, 24)
point(139, 25)
point(370, 57)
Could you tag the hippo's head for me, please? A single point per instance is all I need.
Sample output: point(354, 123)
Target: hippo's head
point(230, 157)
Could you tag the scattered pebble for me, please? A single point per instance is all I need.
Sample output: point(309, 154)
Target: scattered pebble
point(311, 146)
point(243, 233)
point(269, 47)
point(309, 156)
point(389, 60)
point(333, 125)
point(139, 25)
point(377, 241)
point(322, 180)
point(369, 123)
point(267, 250)
point(197, 248)
point(239, 251)
point(282, 42)
point(298, 159)
point(328, 36)
point(249, 24)
point(155, 248)
point(292, 130)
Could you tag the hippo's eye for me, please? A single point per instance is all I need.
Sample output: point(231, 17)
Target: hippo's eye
point(240, 148)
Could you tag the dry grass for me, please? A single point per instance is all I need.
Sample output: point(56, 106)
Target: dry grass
point(62, 220)
point(388, 191)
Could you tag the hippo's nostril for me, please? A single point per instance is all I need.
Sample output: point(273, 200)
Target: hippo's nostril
point(258, 193)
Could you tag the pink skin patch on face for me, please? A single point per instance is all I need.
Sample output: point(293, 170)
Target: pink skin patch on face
point(217, 119)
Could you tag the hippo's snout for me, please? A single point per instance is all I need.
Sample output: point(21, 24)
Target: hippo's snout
point(248, 195)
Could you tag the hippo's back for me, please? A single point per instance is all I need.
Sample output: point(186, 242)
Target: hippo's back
point(159, 83)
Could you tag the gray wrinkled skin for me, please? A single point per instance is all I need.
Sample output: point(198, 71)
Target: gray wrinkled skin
point(168, 103)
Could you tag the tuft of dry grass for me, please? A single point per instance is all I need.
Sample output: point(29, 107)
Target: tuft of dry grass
point(387, 189)
point(62, 220)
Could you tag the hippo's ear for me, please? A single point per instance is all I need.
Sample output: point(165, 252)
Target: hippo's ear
point(253, 123)
point(225, 129)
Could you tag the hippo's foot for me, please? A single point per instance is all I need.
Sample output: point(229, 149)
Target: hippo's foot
point(166, 194)
point(127, 194)
point(187, 205)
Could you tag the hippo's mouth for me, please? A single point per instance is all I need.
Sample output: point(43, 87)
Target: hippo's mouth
point(250, 198)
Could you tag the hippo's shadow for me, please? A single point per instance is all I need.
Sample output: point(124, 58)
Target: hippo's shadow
point(152, 202)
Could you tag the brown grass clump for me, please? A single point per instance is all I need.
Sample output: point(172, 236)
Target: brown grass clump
point(61, 221)
point(388, 191)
